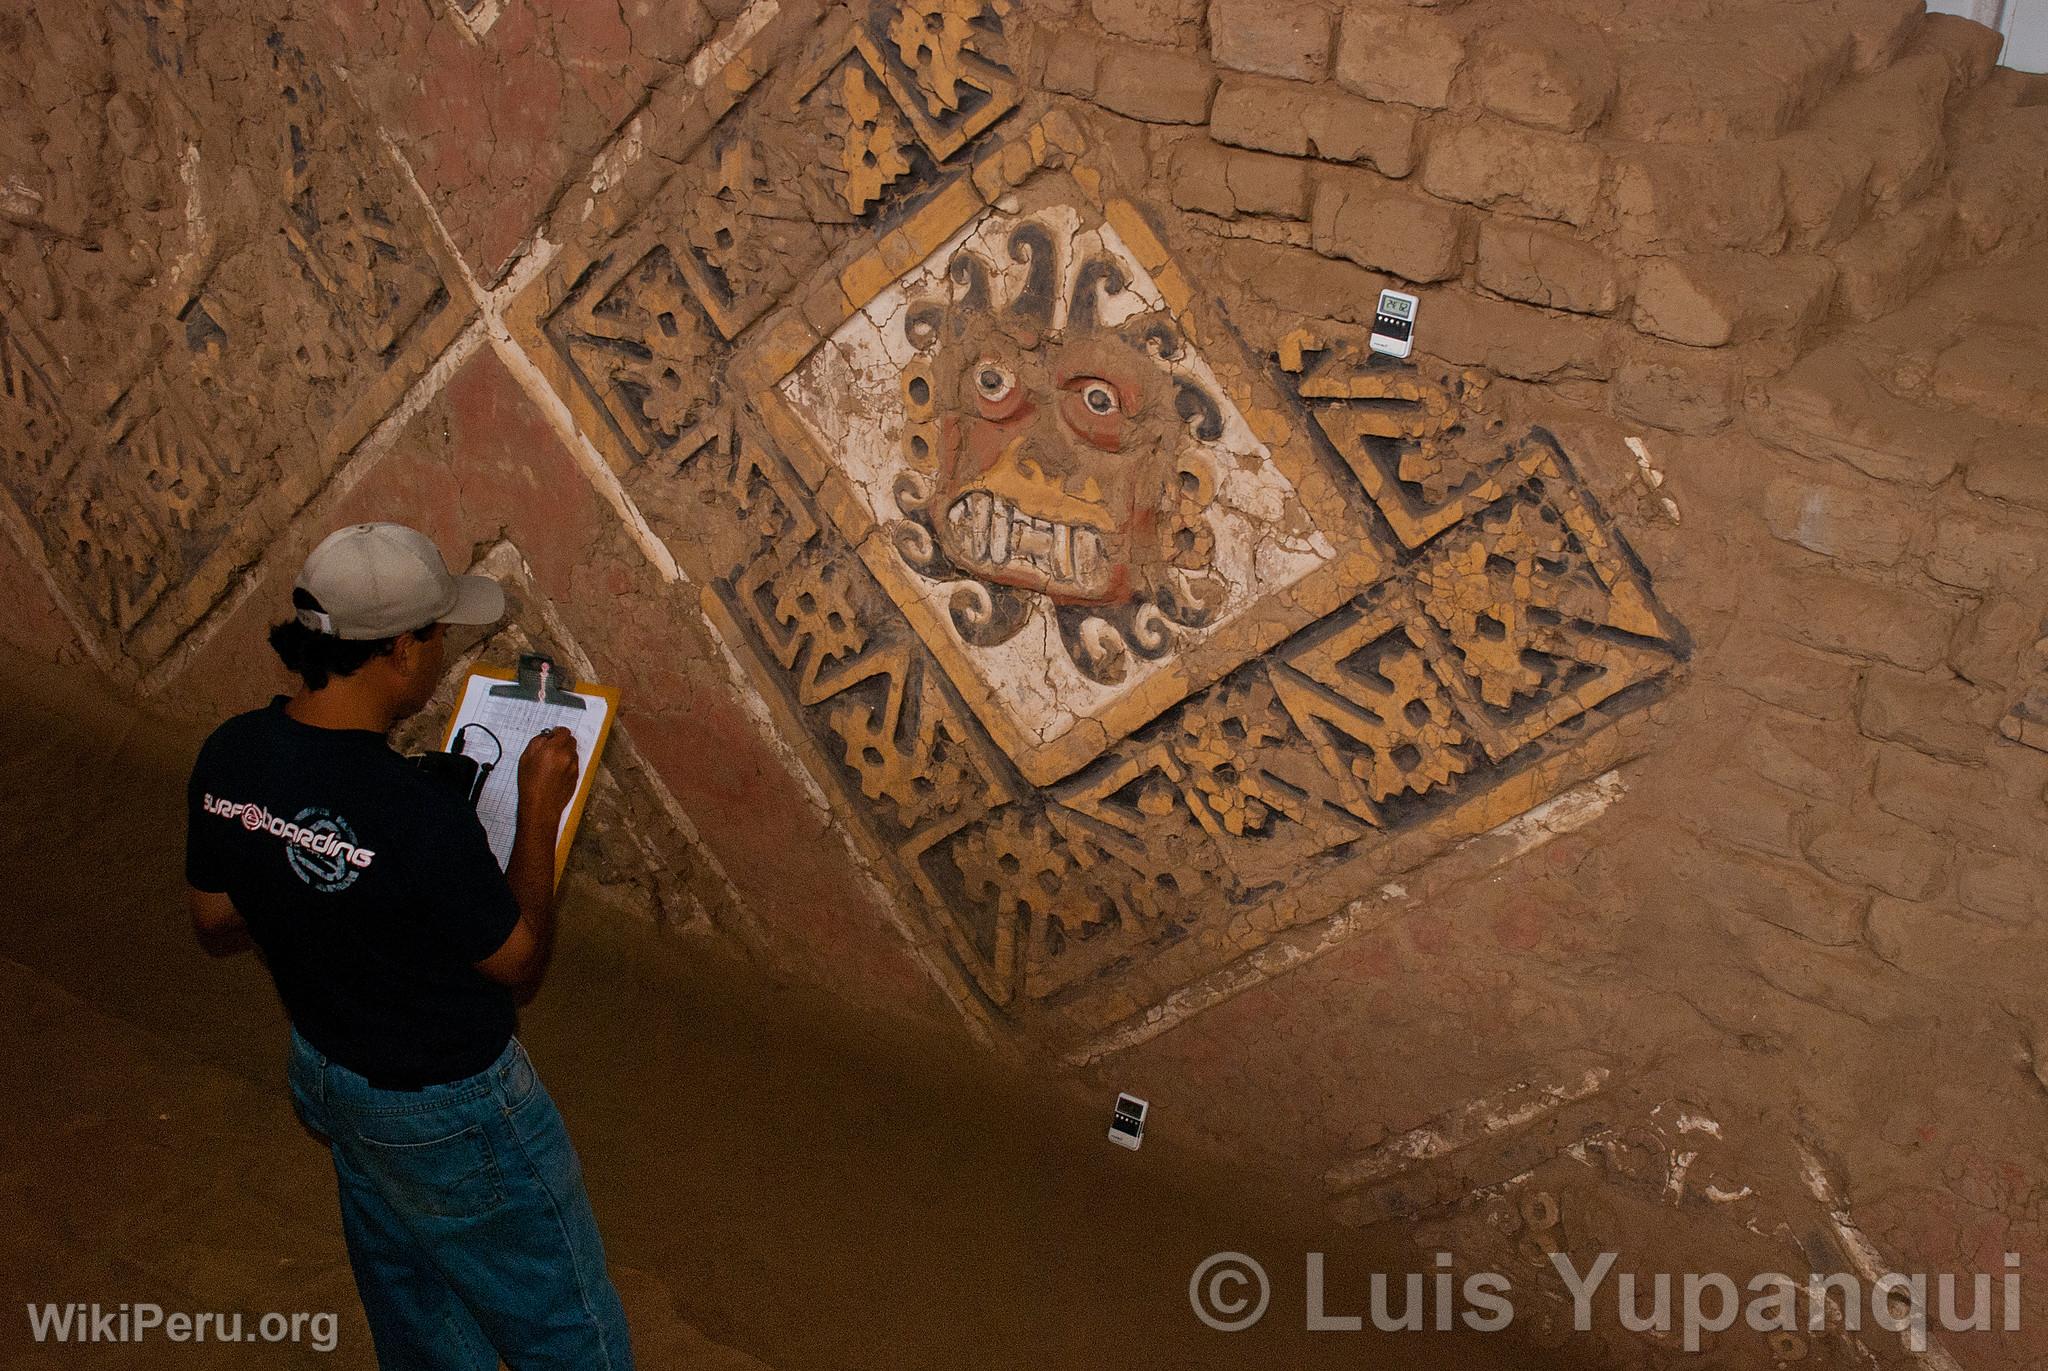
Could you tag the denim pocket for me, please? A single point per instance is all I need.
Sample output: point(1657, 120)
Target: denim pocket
point(516, 1077)
point(455, 1177)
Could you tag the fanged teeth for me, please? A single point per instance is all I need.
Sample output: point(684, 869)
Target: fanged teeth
point(1090, 561)
point(989, 529)
point(1002, 527)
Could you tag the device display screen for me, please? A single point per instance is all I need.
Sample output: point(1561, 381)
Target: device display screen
point(1399, 309)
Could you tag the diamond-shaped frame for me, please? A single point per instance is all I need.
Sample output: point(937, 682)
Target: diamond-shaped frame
point(1624, 635)
point(1359, 559)
point(998, 86)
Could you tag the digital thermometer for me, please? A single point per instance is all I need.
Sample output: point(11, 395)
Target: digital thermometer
point(1393, 323)
point(1127, 1124)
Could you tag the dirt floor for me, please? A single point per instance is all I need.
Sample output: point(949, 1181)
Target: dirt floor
point(778, 1183)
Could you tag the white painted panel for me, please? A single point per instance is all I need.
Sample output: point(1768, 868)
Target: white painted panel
point(2026, 35)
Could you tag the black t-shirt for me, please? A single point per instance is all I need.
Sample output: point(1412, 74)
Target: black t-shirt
point(370, 888)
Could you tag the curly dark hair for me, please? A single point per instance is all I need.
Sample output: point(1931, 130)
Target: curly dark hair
point(317, 658)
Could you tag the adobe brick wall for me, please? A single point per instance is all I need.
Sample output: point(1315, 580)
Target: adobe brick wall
point(1619, 734)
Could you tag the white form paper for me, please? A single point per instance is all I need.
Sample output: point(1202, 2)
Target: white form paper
point(515, 723)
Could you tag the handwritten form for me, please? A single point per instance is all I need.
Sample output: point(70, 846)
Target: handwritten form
point(516, 722)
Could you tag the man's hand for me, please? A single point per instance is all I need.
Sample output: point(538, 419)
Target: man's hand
point(548, 772)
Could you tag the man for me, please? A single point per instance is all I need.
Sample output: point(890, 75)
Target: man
point(400, 951)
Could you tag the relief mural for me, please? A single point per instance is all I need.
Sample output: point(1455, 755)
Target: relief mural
point(1141, 639)
point(1056, 488)
point(242, 368)
point(1121, 648)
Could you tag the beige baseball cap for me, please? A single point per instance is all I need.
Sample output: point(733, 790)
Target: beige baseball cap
point(381, 580)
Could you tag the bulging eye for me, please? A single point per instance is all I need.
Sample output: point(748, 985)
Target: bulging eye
point(1099, 397)
point(993, 383)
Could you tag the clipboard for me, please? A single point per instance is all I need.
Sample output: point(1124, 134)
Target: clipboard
point(515, 704)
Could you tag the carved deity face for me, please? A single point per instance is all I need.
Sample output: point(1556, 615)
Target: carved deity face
point(1055, 464)
point(1058, 454)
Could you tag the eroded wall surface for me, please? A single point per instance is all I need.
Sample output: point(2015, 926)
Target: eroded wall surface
point(1579, 788)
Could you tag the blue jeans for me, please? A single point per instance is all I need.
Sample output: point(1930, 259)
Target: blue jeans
point(467, 1223)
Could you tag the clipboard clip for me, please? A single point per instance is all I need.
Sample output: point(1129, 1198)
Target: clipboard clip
point(538, 678)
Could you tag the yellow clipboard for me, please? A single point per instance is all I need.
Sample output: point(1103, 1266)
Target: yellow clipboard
point(512, 719)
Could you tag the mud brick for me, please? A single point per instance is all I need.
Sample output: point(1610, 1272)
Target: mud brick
point(1157, 85)
point(1787, 675)
point(1548, 74)
point(1871, 527)
point(1889, 258)
point(1694, 91)
point(1409, 55)
point(1301, 283)
point(1514, 340)
point(1897, 118)
point(1878, 29)
point(1824, 177)
point(2011, 464)
point(2001, 885)
point(1891, 624)
point(1919, 788)
point(1877, 850)
point(1970, 49)
point(1685, 390)
point(1198, 180)
point(1499, 165)
point(1271, 116)
point(1689, 199)
point(1998, 370)
point(1808, 58)
point(1935, 712)
point(1343, 128)
point(1072, 61)
point(1990, 805)
point(1732, 807)
point(2026, 723)
point(1977, 555)
point(1822, 759)
point(1288, 38)
point(1712, 299)
point(1926, 940)
point(1544, 267)
point(1285, 117)
point(1996, 182)
point(1785, 895)
point(1828, 406)
point(1358, 217)
point(1994, 645)
point(1263, 184)
point(1227, 183)
point(1149, 21)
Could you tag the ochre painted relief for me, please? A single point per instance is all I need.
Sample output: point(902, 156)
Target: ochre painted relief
point(1120, 647)
point(1027, 444)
